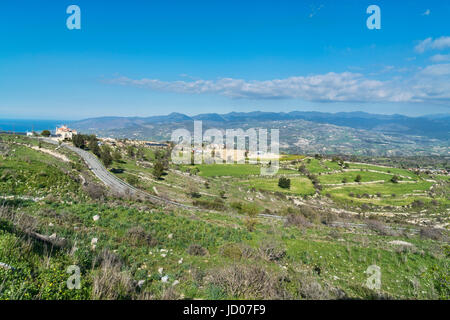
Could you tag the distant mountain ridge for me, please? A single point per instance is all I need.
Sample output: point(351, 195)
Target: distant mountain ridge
point(432, 126)
point(300, 132)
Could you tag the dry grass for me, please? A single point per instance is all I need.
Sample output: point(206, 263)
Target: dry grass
point(432, 233)
point(110, 283)
point(248, 282)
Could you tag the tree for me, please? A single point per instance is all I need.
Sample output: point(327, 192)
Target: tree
point(105, 156)
point(358, 178)
point(140, 154)
point(395, 179)
point(303, 169)
point(78, 141)
point(93, 146)
point(117, 156)
point(130, 151)
point(45, 133)
point(158, 169)
point(284, 183)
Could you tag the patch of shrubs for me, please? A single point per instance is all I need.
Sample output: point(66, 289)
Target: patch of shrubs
point(417, 204)
point(432, 233)
point(195, 194)
point(231, 251)
point(95, 191)
point(297, 220)
point(197, 250)
point(245, 208)
point(216, 204)
point(381, 228)
point(138, 236)
point(272, 251)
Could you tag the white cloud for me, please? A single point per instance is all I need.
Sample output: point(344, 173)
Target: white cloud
point(440, 58)
point(437, 44)
point(426, 13)
point(429, 84)
point(437, 70)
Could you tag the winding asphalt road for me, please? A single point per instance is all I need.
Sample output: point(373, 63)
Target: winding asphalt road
point(112, 181)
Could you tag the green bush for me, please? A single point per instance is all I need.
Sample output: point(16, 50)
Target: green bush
point(284, 183)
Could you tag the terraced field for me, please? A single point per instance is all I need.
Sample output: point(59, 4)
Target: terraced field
point(350, 177)
point(299, 185)
point(230, 170)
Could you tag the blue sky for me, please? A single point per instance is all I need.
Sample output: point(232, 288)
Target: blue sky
point(142, 58)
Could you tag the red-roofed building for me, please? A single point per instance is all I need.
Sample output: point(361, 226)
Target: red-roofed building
point(65, 132)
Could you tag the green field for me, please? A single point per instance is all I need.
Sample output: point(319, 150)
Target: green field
point(351, 176)
point(299, 185)
point(403, 193)
point(232, 170)
point(320, 166)
point(396, 171)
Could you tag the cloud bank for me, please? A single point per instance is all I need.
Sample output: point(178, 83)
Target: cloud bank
point(430, 84)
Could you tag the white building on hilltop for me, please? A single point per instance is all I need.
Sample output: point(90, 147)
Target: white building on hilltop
point(64, 132)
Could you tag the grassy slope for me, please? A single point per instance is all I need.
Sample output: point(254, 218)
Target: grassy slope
point(339, 255)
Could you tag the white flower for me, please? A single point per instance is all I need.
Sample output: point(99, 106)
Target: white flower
point(141, 283)
point(96, 217)
point(94, 241)
point(160, 270)
point(165, 278)
point(180, 261)
point(170, 236)
point(163, 255)
point(175, 283)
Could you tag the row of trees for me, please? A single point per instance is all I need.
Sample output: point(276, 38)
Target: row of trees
point(104, 152)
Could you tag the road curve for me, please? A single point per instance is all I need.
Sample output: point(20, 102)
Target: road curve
point(113, 182)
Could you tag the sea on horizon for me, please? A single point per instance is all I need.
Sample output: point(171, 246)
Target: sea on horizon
point(25, 125)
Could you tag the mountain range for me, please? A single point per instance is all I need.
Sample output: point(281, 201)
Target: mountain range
point(300, 131)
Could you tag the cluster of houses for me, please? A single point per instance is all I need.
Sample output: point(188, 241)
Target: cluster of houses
point(219, 152)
